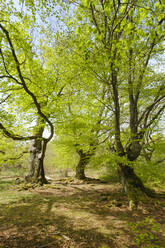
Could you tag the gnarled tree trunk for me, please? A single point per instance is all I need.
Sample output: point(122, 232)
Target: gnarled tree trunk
point(37, 154)
point(84, 160)
point(132, 184)
point(80, 168)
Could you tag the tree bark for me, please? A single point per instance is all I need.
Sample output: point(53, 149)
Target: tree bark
point(80, 168)
point(129, 178)
point(37, 153)
point(132, 184)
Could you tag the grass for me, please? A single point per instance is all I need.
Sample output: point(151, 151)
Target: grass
point(77, 215)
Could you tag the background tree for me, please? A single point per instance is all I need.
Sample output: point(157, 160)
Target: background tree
point(84, 113)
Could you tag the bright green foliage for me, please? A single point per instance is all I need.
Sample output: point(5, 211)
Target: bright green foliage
point(123, 39)
point(27, 84)
point(40, 79)
point(11, 153)
point(60, 156)
point(151, 165)
point(96, 79)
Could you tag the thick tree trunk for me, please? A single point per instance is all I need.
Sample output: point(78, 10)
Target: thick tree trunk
point(37, 154)
point(133, 185)
point(80, 168)
point(36, 171)
point(129, 178)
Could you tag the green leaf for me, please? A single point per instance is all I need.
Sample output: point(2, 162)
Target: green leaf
point(87, 3)
point(70, 23)
point(160, 17)
point(78, 30)
point(159, 30)
point(157, 5)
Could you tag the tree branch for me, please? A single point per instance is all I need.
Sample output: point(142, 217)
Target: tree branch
point(9, 134)
point(15, 158)
point(4, 100)
point(23, 83)
point(119, 145)
point(94, 19)
point(9, 75)
point(159, 161)
point(155, 116)
point(148, 110)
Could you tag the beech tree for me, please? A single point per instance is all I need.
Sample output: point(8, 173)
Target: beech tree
point(128, 35)
point(83, 115)
point(26, 87)
point(15, 76)
point(115, 46)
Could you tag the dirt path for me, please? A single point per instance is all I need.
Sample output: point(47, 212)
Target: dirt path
point(79, 215)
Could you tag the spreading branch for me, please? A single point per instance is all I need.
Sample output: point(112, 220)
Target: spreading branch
point(155, 117)
point(6, 70)
point(146, 113)
point(14, 158)
point(4, 100)
point(23, 83)
point(9, 134)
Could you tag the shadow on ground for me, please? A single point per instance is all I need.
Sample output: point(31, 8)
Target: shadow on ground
point(71, 216)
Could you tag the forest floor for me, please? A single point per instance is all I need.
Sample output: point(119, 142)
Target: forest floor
point(74, 214)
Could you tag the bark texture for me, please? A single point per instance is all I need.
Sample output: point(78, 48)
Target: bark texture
point(80, 168)
point(84, 160)
point(132, 184)
point(37, 154)
point(129, 178)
